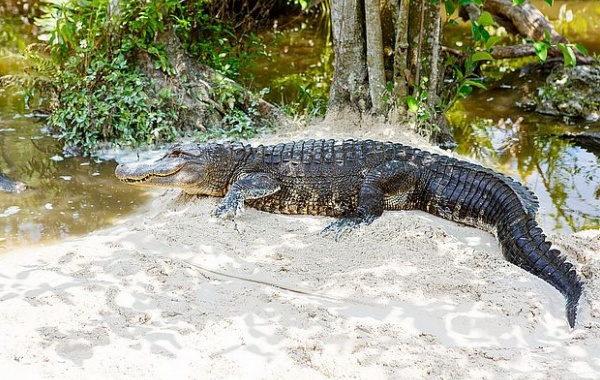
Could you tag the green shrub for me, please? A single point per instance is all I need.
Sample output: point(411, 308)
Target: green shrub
point(97, 93)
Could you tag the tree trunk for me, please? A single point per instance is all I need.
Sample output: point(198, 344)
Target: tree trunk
point(375, 55)
point(527, 50)
point(424, 49)
point(401, 73)
point(350, 84)
point(425, 63)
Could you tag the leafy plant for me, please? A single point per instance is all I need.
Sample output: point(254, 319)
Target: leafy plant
point(98, 95)
point(568, 50)
point(120, 106)
point(214, 42)
point(238, 123)
point(462, 71)
point(89, 72)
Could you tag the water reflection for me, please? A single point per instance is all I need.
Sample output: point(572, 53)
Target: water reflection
point(65, 196)
point(528, 148)
point(490, 127)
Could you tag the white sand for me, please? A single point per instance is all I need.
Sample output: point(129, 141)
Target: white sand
point(173, 293)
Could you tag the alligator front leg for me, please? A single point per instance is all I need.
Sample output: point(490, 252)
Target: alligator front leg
point(252, 186)
point(389, 184)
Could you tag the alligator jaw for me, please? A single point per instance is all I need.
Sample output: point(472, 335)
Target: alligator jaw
point(127, 175)
point(174, 173)
point(146, 179)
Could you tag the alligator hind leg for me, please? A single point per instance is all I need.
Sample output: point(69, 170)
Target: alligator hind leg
point(252, 186)
point(392, 182)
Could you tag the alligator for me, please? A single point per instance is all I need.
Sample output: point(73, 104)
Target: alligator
point(355, 181)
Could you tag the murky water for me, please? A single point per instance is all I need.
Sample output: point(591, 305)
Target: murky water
point(66, 196)
point(526, 146)
point(490, 127)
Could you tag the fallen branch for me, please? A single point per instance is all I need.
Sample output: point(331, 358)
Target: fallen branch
point(525, 20)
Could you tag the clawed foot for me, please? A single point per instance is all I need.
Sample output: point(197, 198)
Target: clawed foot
point(228, 208)
point(340, 226)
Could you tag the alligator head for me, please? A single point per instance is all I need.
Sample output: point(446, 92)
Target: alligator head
point(189, 167)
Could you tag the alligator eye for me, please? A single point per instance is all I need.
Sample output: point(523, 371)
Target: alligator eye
point(175, 153)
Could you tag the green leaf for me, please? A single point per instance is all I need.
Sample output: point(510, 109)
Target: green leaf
point(581, 49)
point(464, 91)
point(479, 32)
point(449, 6)
point(413, 104)
point(549, 2)
point(541, 50)
point(458, 72)
point(493, 40)
point(475, 83)
point(518, 2)
point(485, 19)
point(482, 56)
point(568, 54)
point(476, 31)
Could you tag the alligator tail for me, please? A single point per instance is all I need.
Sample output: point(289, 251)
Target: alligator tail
point(480, 197)
point(524, 244)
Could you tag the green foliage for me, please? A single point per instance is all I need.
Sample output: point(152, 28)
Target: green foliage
point(238, 123)
point(568, 50)
point(215, 43)
point(118, 107)
point(97, 92)
point(465, 79)
point(424, 110)
point(418, 104)
point(98, 95)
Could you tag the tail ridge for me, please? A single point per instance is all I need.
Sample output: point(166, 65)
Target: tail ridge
point(525, 245)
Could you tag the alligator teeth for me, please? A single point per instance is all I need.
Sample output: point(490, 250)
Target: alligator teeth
point(136, 180)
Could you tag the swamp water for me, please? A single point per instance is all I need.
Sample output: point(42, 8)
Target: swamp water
point(65, 196)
